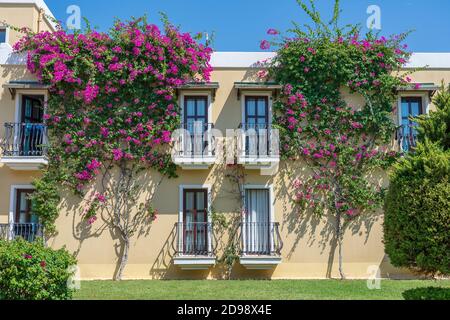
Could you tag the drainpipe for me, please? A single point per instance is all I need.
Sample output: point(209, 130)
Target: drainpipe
point(40, 19)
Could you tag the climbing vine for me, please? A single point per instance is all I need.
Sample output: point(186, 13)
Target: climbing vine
point(342, 145)
point(111, 113)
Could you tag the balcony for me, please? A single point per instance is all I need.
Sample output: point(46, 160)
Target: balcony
point(261, 245)
point(194, 248)
point(195, 146)
point(28, 231)
point(407, 138)
point(24, 146)
point(258, 147)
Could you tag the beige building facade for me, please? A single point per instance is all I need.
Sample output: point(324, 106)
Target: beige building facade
point(275, 240)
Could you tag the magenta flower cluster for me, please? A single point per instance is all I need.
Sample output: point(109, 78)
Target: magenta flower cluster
point(113, 95)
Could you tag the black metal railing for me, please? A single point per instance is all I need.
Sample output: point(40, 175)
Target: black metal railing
point(196, 140)
point(259, 238)
point(194, 239)
point(28, 231)
point(25, 140)
point(407, 139)
point(257, 140)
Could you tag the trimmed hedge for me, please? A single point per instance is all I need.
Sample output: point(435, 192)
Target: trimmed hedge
point(417, 219)
point(30, 271)
point(430, 293)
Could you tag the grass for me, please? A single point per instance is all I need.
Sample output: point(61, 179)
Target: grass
point(250, 290)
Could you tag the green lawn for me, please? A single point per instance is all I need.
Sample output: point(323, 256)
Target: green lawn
point(248, 290)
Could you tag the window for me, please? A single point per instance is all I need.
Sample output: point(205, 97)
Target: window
point(256, 125)
point(195, 226)
point(195, 111)
point(410, 107)
point(2, 35)
point(257, 226)
point(31, 131)
point(196, 125)
point(26, 223)
point(256, 112)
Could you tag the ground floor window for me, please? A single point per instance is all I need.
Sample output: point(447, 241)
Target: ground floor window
point(257, 222)
point(25, 223)
point(194, 228)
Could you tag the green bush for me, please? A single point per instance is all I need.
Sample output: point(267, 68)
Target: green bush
point(430, 293)
point(30, 271)
point(417, 219)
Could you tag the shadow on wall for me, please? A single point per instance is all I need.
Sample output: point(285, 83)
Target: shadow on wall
point(75, 208)
point(303, 224)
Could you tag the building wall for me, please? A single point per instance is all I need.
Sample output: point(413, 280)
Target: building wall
point(24, 15)
point(309, 248)
point(308, 242)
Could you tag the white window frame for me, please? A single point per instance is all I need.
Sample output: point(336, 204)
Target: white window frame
point(12, 204)
point(207, 187)
point(244, 96)
point(13, 199)
point(2, 27)
point(268, 187)
point(426, 102)
point(207, 94)
point(18, 102)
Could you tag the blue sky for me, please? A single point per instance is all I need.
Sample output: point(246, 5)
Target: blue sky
point(239, 25)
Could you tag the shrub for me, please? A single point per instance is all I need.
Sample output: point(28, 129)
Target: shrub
point(430, 293)
point(417, 220)
point(30, 271)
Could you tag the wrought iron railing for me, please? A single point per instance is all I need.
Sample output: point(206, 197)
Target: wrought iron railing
point(407, 139)
point(25, 140)
point(196, 140)
point(257, 140)
point(194, 239)
point(259, 238)
point(28, 231)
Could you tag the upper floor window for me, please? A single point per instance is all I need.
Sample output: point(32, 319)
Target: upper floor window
point(256, 112)
point(2, 35)
point(195, 112)
point(411, 107)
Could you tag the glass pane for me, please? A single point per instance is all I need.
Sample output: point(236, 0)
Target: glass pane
point(262, 110)
point(251, 107)
point(200, 201)
point(190, 200)
point(251, 122)
point(23, 203)
point(2, 35)
point(261, 123)
point(201, 108)
point(28, 108)
point(190, 106)
point(406, 123)
point(415, 107)
point(405, 109)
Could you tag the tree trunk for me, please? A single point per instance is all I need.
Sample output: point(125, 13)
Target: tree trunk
point(123, 259)
point(339, 235)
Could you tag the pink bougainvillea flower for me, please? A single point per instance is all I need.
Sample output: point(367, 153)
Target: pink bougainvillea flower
point(117, 154)
point(92, 220)
point(262, 74)
point(273, 32)
point(264, 45)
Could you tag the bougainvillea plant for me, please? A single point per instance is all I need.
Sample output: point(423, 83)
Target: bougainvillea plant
point(112, 108)
point(342, 145)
